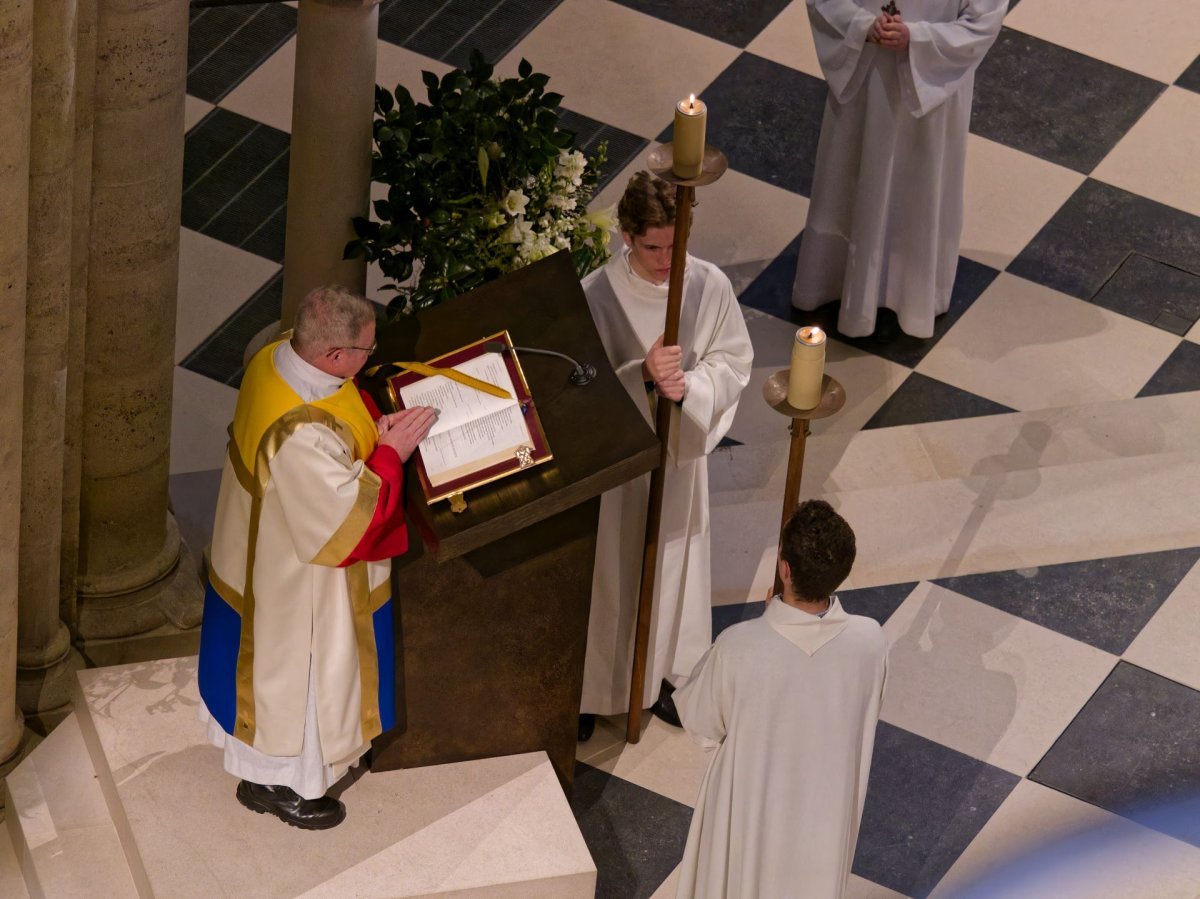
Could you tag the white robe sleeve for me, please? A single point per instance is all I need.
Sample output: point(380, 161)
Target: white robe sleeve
point(840, 29)
point(328, 498)
point(703, 703)
point(942, 54)
point(718, 377)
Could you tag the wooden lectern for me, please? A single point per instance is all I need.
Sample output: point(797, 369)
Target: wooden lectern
point(492, 603)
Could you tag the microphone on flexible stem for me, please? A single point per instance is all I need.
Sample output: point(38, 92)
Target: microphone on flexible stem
point(584, 372)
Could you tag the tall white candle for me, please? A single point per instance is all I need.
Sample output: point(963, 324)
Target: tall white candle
point(808, 368)
point(687, 141)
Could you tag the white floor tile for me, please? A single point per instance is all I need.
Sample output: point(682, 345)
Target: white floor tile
point(1030, 347)
point(1167, 644)
point(1157, 157)
point(1043, 843)
point(1157, 40)
point(620, 66)
point(998, 221)
point(788, 41)
point(201, 413)
point(215, 279)
point(989, 684)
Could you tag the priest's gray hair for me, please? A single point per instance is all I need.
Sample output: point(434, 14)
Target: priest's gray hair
point(328, 318)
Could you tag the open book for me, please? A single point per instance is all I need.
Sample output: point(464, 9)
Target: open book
point(477, 437)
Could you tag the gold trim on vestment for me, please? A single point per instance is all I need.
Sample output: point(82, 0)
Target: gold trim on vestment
point(240, 471)
point(358, 578)
point(351, 530)
point(380, 595)
point(244, 724)
point(232, 598)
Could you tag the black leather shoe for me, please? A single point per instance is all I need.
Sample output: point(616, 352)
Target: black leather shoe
point(289, 806)
point(587, 726)
point(664, 709)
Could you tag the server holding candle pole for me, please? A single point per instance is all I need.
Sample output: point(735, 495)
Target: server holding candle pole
point(886, 213)
point(702, 376)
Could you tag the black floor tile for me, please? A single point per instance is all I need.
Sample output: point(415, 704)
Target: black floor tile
point(771, 292)
point(1093, 233)
point(1153, 292)
point(636, 837)
point(923, 399)
point(622, 148)
point(1180, 372)
point(925, 803)
point(227, 43)
point(1134, 749)
point(1191, 76)
point(766, 119)
point(1054, 103)
point(448, 30)
point(727, 616)
point(733, 23)
point(220, 355)
point(235, 182)
point(874, 602)
point(1102, 602)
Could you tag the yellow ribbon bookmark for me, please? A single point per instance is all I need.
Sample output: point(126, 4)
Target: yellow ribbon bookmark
point(429, 371)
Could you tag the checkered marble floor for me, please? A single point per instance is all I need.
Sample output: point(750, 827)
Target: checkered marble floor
point(1023, 484)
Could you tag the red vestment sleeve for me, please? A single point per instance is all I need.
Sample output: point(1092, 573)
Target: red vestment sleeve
point(387, 534)
point(372, 406)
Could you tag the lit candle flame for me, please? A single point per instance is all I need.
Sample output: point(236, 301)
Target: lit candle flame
point(691, 102)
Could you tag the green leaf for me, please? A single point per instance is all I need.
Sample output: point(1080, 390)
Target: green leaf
point(430, 79)
point(481, 158)
point(525, 68)
point(383, 100)
point(551, 100)
point(353, 250)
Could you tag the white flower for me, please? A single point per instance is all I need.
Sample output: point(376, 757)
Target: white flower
point(518, 231)
point(570, 166)
point(495, 219)
point(515, 203)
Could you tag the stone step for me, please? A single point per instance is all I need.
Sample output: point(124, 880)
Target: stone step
point(990, 521)
point(12, 881)
point(62, 833)
point(497, 827)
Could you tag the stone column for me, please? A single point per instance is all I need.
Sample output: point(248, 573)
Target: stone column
point(329, 173)
point(131, 579)
point(16, 57)
point(81, 220)
point(45, 662)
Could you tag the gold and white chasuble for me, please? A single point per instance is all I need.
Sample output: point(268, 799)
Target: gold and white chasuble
point(296, 500)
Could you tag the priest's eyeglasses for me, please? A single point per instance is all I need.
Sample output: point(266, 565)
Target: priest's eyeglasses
point(369, 350)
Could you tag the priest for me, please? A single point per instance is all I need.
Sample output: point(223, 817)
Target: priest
point(296, 658)
point(702, 377)
point(790, 702)
point(886, 213)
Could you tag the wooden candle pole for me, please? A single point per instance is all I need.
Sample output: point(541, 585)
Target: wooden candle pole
point(684, 195)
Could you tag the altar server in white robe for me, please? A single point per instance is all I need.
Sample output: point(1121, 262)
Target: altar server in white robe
point(703, 377)
point(886, 214)
point(790, 702)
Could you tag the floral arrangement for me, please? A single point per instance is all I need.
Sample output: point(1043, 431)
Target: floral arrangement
point(481, 181)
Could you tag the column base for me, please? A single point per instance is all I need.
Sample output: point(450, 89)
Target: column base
point(44, 694)
point(171, 606)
